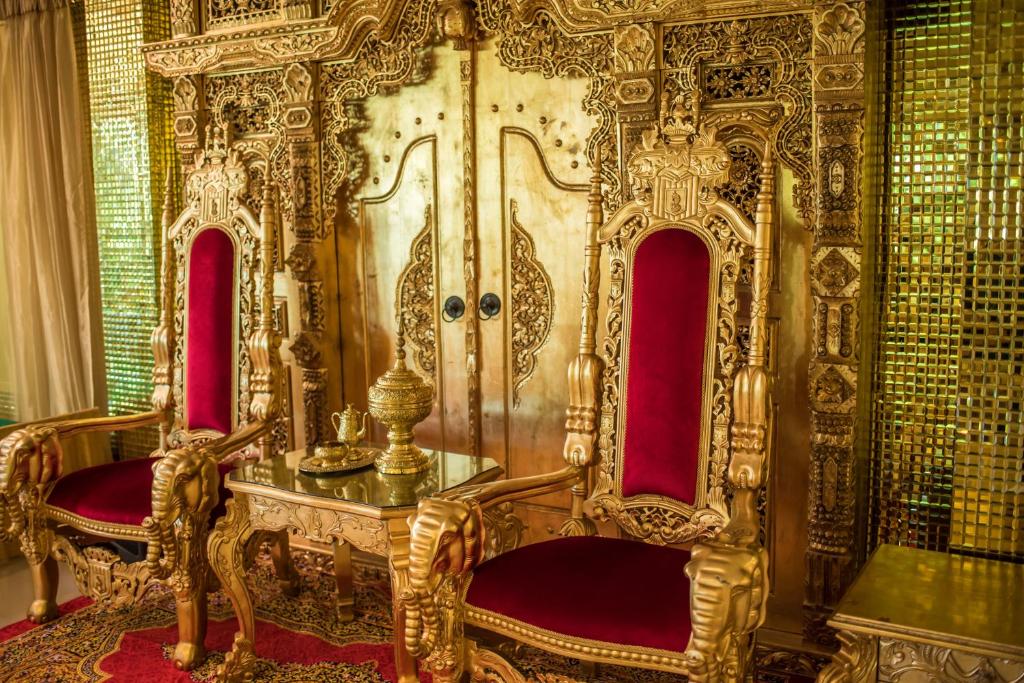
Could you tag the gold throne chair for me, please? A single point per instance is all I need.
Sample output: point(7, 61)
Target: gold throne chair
point(216, 399)
point(668, 436)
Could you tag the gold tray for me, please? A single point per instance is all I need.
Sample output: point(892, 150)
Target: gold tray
point(334, 457)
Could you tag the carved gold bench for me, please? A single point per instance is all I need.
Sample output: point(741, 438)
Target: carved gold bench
point(919, 615)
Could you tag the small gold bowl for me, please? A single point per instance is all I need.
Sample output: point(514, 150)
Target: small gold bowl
point(334, 457)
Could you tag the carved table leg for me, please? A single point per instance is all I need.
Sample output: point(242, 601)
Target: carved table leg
point(398, 566)
point(287, 576)
point(856, 661)
point(343, 578)
point(227, 556)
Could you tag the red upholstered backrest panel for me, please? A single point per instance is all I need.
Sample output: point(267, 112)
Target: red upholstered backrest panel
point(669, 304)
point(209, 327)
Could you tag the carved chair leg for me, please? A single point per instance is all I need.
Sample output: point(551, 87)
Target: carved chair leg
point(45, 576)
point(191, 607)
point(287, 576)
point(487, 666)
point(36, 542)
point(227, 552)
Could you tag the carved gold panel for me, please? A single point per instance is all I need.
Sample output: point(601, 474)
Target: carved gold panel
point(402, 248)
point(532, 182)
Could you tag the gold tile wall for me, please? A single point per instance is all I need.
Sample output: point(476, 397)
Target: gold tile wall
point(132, 147)
point(946, 461)
point(988, 472)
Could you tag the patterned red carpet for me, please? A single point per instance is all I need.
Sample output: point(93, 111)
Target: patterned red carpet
point(299, 640)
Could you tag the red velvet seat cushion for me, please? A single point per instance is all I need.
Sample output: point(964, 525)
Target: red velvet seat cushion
point(117, 492)
point(669, 300)
point(606, 589)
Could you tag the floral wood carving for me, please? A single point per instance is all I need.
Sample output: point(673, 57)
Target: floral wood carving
point(900, 660)
point(532, 302)
point(590, 15)
point(416, 301)
point(102, 575)
point(754, 58)
point(744, 179)
point(327, 526)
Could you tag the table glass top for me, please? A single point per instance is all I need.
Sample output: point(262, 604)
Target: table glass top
point(924, 594)
point(367, 486)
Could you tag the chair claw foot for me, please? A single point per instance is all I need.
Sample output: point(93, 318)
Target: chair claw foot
point(42, 611)
point(187, 655)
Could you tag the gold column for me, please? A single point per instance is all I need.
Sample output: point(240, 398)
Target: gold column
point(838, 82)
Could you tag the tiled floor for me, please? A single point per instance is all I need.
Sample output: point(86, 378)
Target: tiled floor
point(16, 589)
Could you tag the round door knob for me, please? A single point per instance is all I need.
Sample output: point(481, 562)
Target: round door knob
point(490, 305)
point(454, 308)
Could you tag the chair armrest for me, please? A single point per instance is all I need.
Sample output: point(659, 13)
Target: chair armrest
point(113, 423)
point(186, 489)
point(32, 456)
point(729, 572)
point(447, 542)
point(494, 493)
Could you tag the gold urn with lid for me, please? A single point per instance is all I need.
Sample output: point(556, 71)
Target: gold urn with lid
point(399, 400)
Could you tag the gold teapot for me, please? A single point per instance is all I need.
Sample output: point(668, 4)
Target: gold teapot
point(344, 454)
point(351, 425)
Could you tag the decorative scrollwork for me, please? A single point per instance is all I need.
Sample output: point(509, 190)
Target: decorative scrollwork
point(900, 660)
point(752, 59)
point(248, 103)
point(102, 575)
point(319, 525)
point(856, 661)
point(532, 303)
point(378, 65)
point(744, 179)
point(657, 519)
point(503, 530)
point(417, 298)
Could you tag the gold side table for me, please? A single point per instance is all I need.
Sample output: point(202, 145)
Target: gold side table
point(363, 509)
point(922, 616)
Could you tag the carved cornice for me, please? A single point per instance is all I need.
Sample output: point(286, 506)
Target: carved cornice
point(335, 37)
point(577, 16)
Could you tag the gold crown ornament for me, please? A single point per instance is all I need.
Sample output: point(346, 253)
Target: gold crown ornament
point(399, 400)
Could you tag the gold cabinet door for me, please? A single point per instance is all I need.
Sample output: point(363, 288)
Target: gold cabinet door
point(474, 183)
point(400, 246)
point(532, 206)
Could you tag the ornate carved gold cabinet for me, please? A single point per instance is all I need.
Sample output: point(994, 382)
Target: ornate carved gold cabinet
point(440, 151)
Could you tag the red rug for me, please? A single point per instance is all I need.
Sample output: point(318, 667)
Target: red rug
point(298, 639)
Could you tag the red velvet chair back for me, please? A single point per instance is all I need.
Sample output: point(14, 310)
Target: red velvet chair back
point(668, 321)
point(211, 332)
point(671, 347)
point(213, 290)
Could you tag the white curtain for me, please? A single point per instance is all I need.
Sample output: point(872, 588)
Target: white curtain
point(50, 289)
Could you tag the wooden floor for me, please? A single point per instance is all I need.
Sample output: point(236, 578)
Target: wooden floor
point(16, 589)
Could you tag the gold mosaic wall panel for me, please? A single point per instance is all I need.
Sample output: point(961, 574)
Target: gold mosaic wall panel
point(132, 147)
point(946, 463)
point(988, 471)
